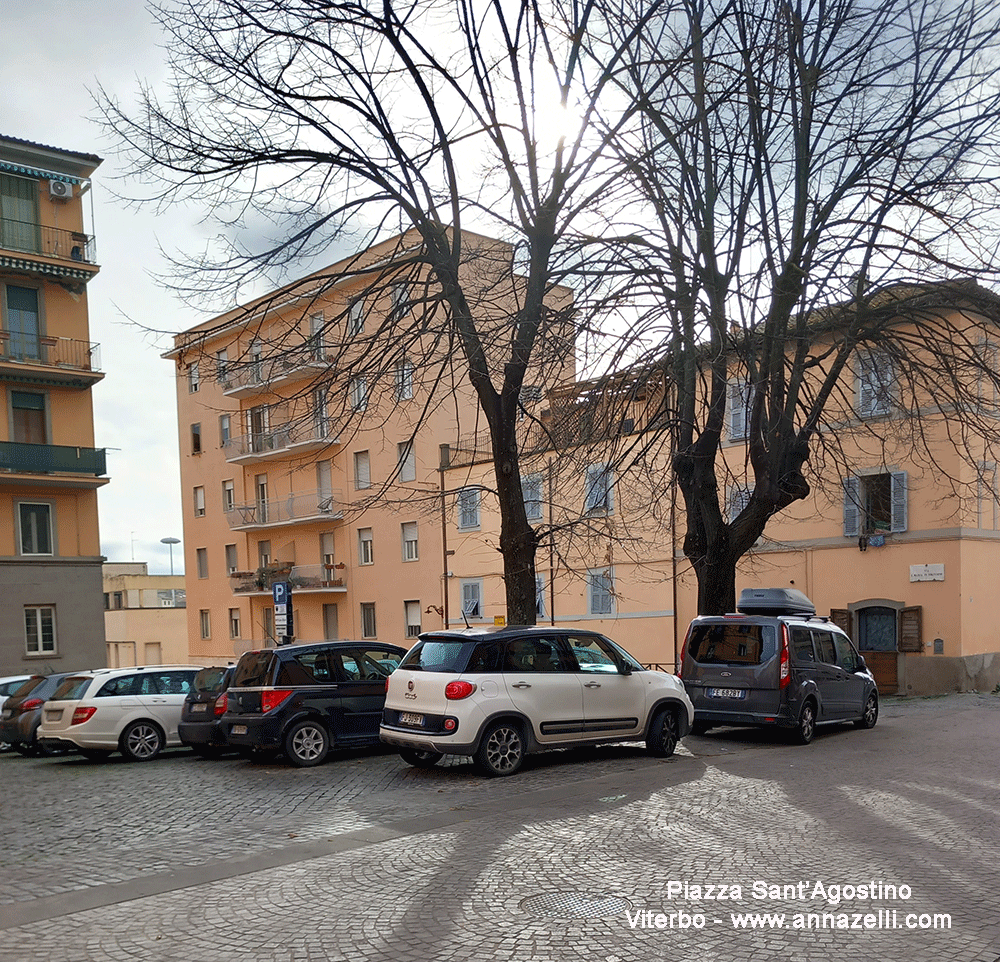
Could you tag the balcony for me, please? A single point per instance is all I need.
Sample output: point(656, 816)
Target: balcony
point(45, 245)
point(291, 438)
point(301, 578)
point(260, 581)
point(54, 460)
point(296, 508)
point(318, 578)
point(248, 378)
point(50, 360)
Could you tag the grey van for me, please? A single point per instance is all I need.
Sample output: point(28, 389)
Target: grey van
point(775, 662)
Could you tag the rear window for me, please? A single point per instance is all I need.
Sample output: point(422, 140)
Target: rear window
point(253, 670)
point(211, 679)
point(732, 643)
point(71, 689)
point(450, 655)
point(28, 687)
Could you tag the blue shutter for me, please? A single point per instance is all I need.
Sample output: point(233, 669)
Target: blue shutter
point(852, 507)
point(899, 501)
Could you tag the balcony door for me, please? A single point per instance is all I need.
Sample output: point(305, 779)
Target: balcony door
point(28, 417)
point(23, 329)
point(19, 230)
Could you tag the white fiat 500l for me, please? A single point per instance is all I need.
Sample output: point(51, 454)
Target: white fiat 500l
point(132, 710)
point(499, 694)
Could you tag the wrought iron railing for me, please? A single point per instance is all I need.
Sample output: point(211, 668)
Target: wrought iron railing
point(29, 238)
point(298, 506)
point(66, 352)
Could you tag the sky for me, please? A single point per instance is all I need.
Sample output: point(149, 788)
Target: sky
point(52, 53)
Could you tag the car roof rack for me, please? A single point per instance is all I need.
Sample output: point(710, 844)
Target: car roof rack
point(774, 601)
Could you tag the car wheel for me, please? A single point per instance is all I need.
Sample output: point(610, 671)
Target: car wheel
point(501, 750)
point(420, 759)
point(93, 754)
point(806, 727)
point(870, 714)
point(662, 738)
point(141, 741)
point(307, 743)
point(27, 749)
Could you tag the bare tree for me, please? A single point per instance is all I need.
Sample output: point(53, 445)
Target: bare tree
point(810, 199)
point(313, 121)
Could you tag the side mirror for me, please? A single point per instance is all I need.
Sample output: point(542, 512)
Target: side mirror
point(862, 666)
point(624, 668)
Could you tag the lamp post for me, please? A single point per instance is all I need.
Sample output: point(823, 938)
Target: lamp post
point(170, 542)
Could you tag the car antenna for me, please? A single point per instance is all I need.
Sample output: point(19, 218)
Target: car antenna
point(465, 618)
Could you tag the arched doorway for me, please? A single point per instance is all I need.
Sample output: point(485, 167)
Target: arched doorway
point(877, 638)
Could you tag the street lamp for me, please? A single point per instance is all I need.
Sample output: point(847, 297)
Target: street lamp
point(171, 542)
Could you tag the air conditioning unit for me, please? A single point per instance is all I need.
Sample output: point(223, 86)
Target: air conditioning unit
point(60, 189)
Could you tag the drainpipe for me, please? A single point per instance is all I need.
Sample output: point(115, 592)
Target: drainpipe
point(444, 460)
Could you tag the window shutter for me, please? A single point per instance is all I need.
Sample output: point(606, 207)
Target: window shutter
point(852, 507)
point(739, 399)
point(899, 501)
point(841, 617)
point(866, 386)
point(911, 629)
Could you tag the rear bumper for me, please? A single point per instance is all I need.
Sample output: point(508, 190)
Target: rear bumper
point(782, 718)
point(14, 731)
point(426, 742)
point(261, 731)
point(202, 733)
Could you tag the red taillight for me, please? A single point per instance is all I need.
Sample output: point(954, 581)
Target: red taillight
point(387, 684)
point(80, 715)
point(30, 705)
point(785, 672)
point(456, 690)
point(273, 697)
point(221, 704)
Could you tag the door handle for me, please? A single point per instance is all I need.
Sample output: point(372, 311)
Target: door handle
point(592, 684)
point(521, 684)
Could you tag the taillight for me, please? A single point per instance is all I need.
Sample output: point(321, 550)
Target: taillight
point(80, 715)
point(387, 684)
point(785, 672)
point(31, 704)
point(456, 690)
point(272, 697)
point(221, 704)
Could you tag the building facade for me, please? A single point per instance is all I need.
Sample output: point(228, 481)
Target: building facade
point(144, 617)
point(50, 560)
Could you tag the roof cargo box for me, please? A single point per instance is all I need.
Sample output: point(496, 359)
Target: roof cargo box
point(774, 601)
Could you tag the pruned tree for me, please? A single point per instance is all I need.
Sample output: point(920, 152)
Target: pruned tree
point(809, 202)
point(426, 119)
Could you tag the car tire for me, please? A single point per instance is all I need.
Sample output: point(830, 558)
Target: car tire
point(94, 754)
point(806, 727)
point(27, 749)
point(501, 750)
point(661, 741)
point(419, 759)
point(307, 743)
point(141, 741)
point(870, 715)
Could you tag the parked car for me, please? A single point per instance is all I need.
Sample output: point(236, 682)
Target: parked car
point(132, 710)
point(201, 727)
point(776, 663)
point(308, 698)
point(8, 685)
point(21, 715)
point(498, 694)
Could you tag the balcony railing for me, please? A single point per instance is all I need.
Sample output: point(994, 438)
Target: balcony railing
point(64, 352)
point(263, 579)
point(64, 245)
point(297, 507)
point(242, 376)
point(301, 434)
point(47, 458)
point(318, 577)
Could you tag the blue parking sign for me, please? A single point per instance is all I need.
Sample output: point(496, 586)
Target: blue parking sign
point(282, 593)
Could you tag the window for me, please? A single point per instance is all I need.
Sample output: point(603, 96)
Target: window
point(740, 397)
point(875, 504)
point(468, 508)
point(407, 461)
point(988, 377)
point(404, 380)
point(202, 559)
point(366, 548)
point(324, 486)
point(356, 317)
point(531, 490)
point(598, 496)
point(19, 213)
point(263, 553)
point(874, 384)
point(359, 394)
point(321, 413)
point(539, 596)
point(228, 496)
point(23, 324)
point(362, 470)
point(411, 612)
point(35, 522)
point(234, 622)
point(400, 299)
point(222, 367)
point(260, 489)
point(199, 502)
point(472, 598)
point(317, 327)
point(601, 591)
point(117, 600)
point(737, 498)
point(987, 501)
point(326, 548)
point(368, 619)
point(194, 378)
point(28, 417)
point(39, 630)
point(205, 622)
point(409, 531)
point(231, 562)
point(225, 429)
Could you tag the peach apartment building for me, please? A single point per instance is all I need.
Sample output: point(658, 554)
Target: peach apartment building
point(144, 618)
point(336, 493)
point(50, 559)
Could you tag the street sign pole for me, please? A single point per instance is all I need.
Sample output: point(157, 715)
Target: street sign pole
point(284, 626)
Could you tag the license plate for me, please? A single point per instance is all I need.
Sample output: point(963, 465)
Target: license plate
point(409, 718)
point(238, 730)
point(53, 715)
point(197, 708)
point(7, 713)
point(727, 693)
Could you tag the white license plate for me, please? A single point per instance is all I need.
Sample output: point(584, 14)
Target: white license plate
point(727, 693)
point(238, 730)
point(197, 708)
point(53, 715)
point(409, 718)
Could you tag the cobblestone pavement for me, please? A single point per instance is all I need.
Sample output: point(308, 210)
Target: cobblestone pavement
point(365, 858)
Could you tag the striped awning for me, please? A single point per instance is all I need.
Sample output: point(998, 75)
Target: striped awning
point(40, 267)
point(39, 173)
